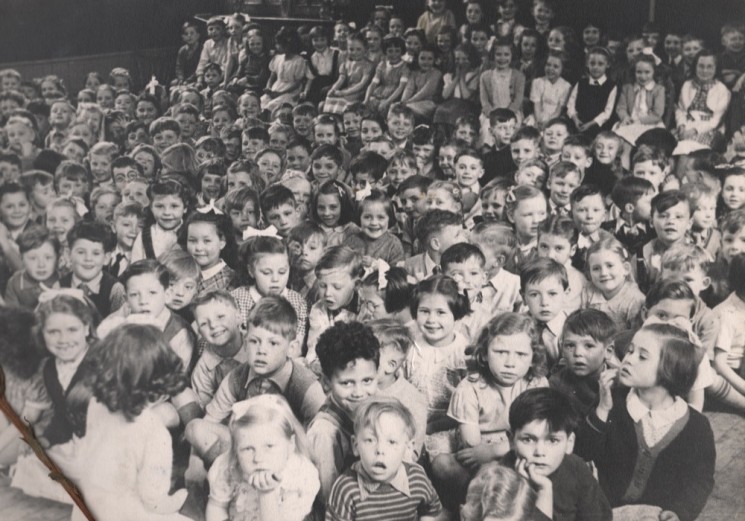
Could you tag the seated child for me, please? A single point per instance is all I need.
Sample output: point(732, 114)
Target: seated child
point(411, 198)
point(586, 351)
point(184, 275)
point(704, 232)
point(127, 224)
point(168, 206)
point(209, 237)
point(588, 212)
point(563, 179)
point(497, 242)
point(730, 344)
point(498, 160)
point(305, 244)
point(436, 230)
point(464, 263)
point(382, 485)
point(242, 205)
point(543, 424)
point(557, 240)
point(632, 196)
point(492, 196)
point(497, 492)
point(39, 252)
point(606, 168)
point(374, 240)
point(279, 208)
point(349, 355)
point(554, 134)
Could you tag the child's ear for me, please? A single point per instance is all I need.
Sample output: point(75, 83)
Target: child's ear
point(572, 250)
point(644, 313)
point(629, 208)
point(434, 243)
point(588, 162)
point(294, 346)
point(570, 443)
point(706, 282)
point(106, 258)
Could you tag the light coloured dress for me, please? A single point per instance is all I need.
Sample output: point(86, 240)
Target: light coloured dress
point(352, 73)
point(289, 71)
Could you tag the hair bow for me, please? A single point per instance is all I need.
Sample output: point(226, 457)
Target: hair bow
point(365, 192)
point(252, 232)
point(648, 51)
point(293, 174)
point(152, 86)
point(210, 207)
point(383, 269)
point(510, 197)
point(680, 323)
point(48, 294)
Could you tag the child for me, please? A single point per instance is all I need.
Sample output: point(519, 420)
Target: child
point(326, 165)
point(612, 289)
point(525, 145)
point(633, 198)
point(401, 120)
point(469, 169)
point(576, 149)
point(423, 88)
point(554, 135)
point(588, 213)
point(543, 424)
point(332, 209)
point(557, 240)
point(436, 230)
point(183, 276)
point(658, 369)
point(641, 105)
point(188, 55)
point(732, 59)
point(271, 165)
point(354, 75)
point(351, 121)
point(39, 251)
point(169, 203)
point(497, 241)
point(267, 264)
point(367, 170)
point(728, 353)
point(549, 93)
point(423, 147)
point(210, 177)
point(592, 99)
point(371, 488)
point(704, 232)
point(465, 263)
point(91, 245)
point(279, 209)
point(498, 492)
point(210, 239)
point(375, 240)
point(509, 360)
point(61, 217)
point(215, 49)
point(39, 186)
point(288, 71)
point(306, 244)
point(278, 480)
point(498, 161)
point(605, 170)
point(165, 132)
point(349, 355)
point(586, 350)
point(493, 198)
point(434, 18)
point(501, 87)
point(733, 188)
point(390, 78)
point(446, 195)
point(562, 181)
point(401, 166)
point(128, 433)
point(103, 200)
point(323, 66)
point(526, 208)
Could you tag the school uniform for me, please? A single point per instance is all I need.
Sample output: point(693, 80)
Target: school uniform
point(220, 276)
point(421, 266)
point(24, 291)
point(593, 100)
point(106, 292)
point(59, 380)
point(120, 261)
point(633, 237)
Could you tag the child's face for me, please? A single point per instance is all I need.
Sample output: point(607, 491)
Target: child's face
point(220, 119)
point(393, 54)
point(561, 188)
point(305, 256)
point(320, 43)
point(391, 360)
point(672, 224)
point(426, 60)
point(60, 220)
point(77, 187)
point(8, 82)
point(650, 171)
point(413, 202)
point(634, 49)
point(328, 208)
point(146, 112)
point(585, 355)
point(502, 56)
point(263, 447)
point(60, 115)
point(541, 448)
point(733, 243)
point(424, 154)
point(278, 140)
point(554, 137)
point(352, 122)
point(509, 358)
point(203, 242)
point(168, 211)
point(670, 309)
point(104, 208)
point(673, 45)
point(336, 287)
point(369, 131)
point(138, 137)
point(492, 207)
point(122, 175)
point(372, 307)
point(267, 351)
point(147, 162)
point(301, 123)
point(466, 132)
point(553, 68)
point(190, 35)
point(643, 208)
point(704, 216)
point(9, 172)
point(531, 176)
point(270, 167)
point(469, 275)
point(545, 299)
point(556, 40)
point(361, 181)
point(284, 218)
point(435, 319)
point(589, 213)
point(555, 247)
point(255, 44)
point(468, 170)
point(15, 210)
point(181, 292)
point(324, 169)
point(644, 73)
point(733, 41)
point(503, 131)
point(126, 229)
point(20, 137)
point(211, 184)
point(65, 336)
point(145, 294)
point(696, 278)
point(444, 42)
point(40, 263)
point(641, 362)
point(507, 10)
point(597, 64)
point(238, 179)
point(271, 273)
point(136, 192)
point(523, 149)
point(400, 127)
point(413, 45)
point(691, 49)
point(298, 159)
point(100, 168)
point(87, 259)
point(542, 13)
point(301, 189)
point(353, 384)
point(396, 27)
point(248, 107)
point(733, 191)
point(606, 150)
point(528, 47)
point(42, 194)
point(126, 103)
point(446, 161)
point(73, 151)
point(590, 36)
point(355, 49)
point(442, 199)
point(576, 155)
point(383, 446)
point(251, 146)
point(164, 139)
point(324, 135)
point(244, 217)
point(212, 78)
point(449, 235)
point(608, 271)
point(528, 216)
point(341, 32)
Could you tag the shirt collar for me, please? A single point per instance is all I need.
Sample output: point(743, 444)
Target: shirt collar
point(94, 285)
point(400, 481)
point(281, 378)
point(648, 87)
point(214, 270)
point(556, 324)
point(637, 410)
point(623, 225)
point(599, 81)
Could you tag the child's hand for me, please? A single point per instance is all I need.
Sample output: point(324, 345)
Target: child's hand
point(474, 457)
point(264, 481)
point(586, 126)
point(368, 261)
point(527, 470)
point(607, 379)
point(669, 515)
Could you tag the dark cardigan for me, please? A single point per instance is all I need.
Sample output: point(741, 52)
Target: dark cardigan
point(683, 474)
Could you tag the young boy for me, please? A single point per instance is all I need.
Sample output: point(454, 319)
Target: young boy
point(298, 155)
point(400, 124)
point(253, 140)
point(732, 59)
point(633, 198)
point(493, 197)
point(498, 160)
point(411, 197)
point(269, 369)
point(184, 278)
point(305, 244)
point(436, 230)
point(125, 169)
point(39, 252)
point(127, 224)
point(464, 263)
point(367, 171)
point(187, 117)
point(91, 244)
point(544, 287)
point(730, 344)
point(524, 145)
point(100, 157)
point(401, 166)
point(382, 485)
point(349, 356)
point(280, 209)
point(165, 132)
point(704, 232)
point(10, 167)
point(588, 212)
point(326, 165)
point(557, 240)
point(302, 119)
point(61, 114)
point(650, 164)
point(383, 145)
point(469, 169)
point(586, 348)
point(564, 177)
point(497, 242)
point(351, 120)
point(39, 185)
point(576, 149)
point(543, 422)
point(553, 138)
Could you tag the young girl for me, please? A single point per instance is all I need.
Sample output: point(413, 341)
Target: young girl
point(168, 205)
point(501, 87)
point(209, 237)
point(460, 89)
point(530, 54)
point(149, 159)
point(266, 474)
point(389, 81)
point(562, 39)
point(62, 215)
point(333, 210)
point(445, 195)
point(288, 71)
point(612, 291)
point(606, 166)
point(526, 208)
point(323, 65)
point(253, 71)
point(423, 88)
point(22, 138)
point(267, 262)
point(414, 40)
point(242, 205)
point(498, 493)
point(649, 446)
point(509, 359)
point(438, 357)
point(126, 451)
point(641, 105)
point(733, 188)
point(549, 93)
point(474, 16)
point(374, 37)
point(354, 75)
point(374, 239)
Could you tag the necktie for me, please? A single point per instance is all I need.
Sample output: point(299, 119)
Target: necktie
point(86, 289)
point(116, 267)
point(436, 270)
point(262, 386)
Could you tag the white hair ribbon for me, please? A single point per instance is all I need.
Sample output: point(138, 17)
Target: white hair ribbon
point(251, 232)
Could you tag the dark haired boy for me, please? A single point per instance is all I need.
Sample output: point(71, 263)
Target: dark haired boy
point(305, 244)
point(367, 171)
point(464, 263)
point(543, 423)
point(165, 132)
point(349, 354)
point(588, 212)
point(436, 231)
point(280, 209)
point(633, 197)
point(564, 178)
point(39, 252)
point(326, 164)
point(127, 224)
point(498, 160)
point(91, 244)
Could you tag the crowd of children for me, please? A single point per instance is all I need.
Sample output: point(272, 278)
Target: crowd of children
point(472, 269)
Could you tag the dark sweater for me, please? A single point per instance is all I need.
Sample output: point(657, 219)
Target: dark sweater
point(591, 99)
point(583, 390)
point(498, 163)
point(683, 473)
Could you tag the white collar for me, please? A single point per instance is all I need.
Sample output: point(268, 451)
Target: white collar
point(637, 410)
point(400, 481)
point(94, 285)
point(214, 270)
point(600, 81)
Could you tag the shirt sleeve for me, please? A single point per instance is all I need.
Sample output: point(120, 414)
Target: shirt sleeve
point(202, 381)
point(326, 454)
point(300, 485)
point(118, 296)
point(572, 102)
point(464, 404)
point(182, 345)
point(221, 491)
point(154, 472)
point(312, 401)
point(604, 116)
point(221, 405)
